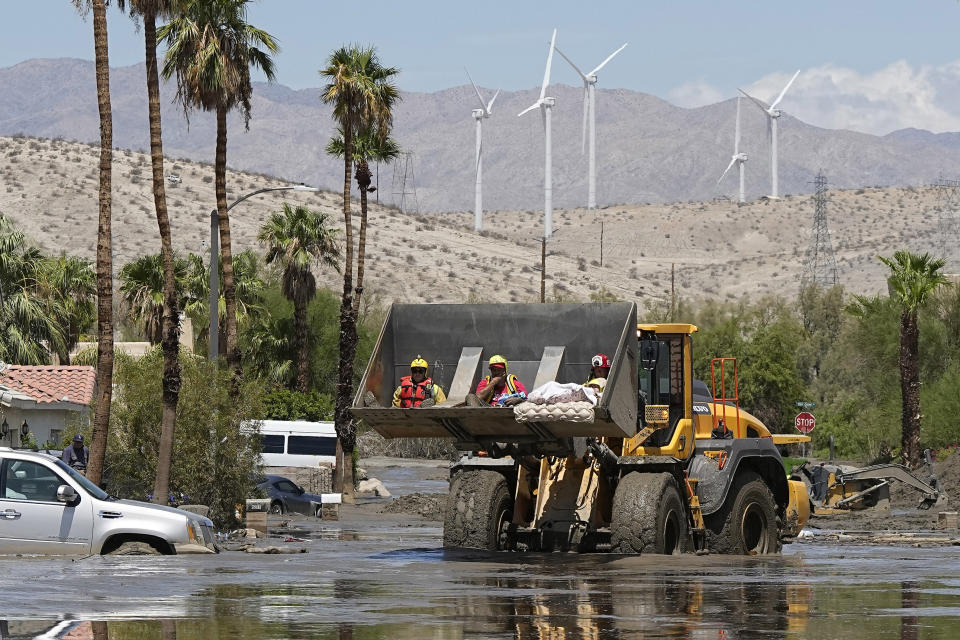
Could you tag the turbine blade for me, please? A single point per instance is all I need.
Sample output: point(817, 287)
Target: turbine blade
point(490, 106)
point(479, 97)
point(530, 108)
point(784, 92)
point(586, 108)
point(609, 58)
point(546, 72)
point(575, 68)
point(736, 137)
point(724, 174)
point(759, 104)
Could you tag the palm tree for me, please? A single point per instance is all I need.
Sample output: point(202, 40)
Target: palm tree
point(247, 283)
point(101, 420)
point(295, 238)
point(169, 329)
point(143, 290)
point(369, 145)
point(363, 97)
point(913, 278)
point(27, 325)
point(211, 49)
point(68, 284)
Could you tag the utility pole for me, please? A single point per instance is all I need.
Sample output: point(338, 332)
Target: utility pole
point(543, 270)
point(601, 242)
point(673, 294)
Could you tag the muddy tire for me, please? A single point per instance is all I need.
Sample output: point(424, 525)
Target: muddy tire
point(747, 524)
point(134, 548)
point(479, 508)
point(276, 508)
point(648, 515)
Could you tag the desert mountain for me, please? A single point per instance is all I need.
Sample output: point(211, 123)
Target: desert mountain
point(649, 151)
point(715, 249)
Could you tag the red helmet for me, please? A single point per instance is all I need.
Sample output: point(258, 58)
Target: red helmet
point(600, 360)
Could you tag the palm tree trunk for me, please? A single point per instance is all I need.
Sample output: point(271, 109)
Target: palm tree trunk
point(300, 337)
point(343, 420)
point(101, 420)
point(363, 182)
point(170, 322)
point(226, 254)
point(910, 389)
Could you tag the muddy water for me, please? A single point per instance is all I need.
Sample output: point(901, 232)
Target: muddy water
point(387, 579)
point(377, 575)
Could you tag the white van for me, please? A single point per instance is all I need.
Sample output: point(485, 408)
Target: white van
point(287, 443)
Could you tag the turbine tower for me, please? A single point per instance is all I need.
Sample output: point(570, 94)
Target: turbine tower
point(590, 106)
point(738, 158)
point(546, 105)
point(486, 108)
point(773, 114)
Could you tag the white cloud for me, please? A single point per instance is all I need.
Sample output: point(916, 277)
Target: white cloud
point(695, 94)
point(897, 96)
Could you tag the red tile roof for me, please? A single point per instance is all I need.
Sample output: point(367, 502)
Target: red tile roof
point(51, 383)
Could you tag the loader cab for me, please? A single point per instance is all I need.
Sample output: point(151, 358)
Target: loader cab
point(664, 379)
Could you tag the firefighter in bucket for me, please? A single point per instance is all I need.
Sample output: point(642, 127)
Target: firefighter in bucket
point(416, 389)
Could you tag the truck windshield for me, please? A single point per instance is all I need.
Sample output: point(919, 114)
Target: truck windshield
point(91, 488)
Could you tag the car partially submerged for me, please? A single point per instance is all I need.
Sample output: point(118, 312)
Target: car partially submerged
point(286, 496)
point(48, 508)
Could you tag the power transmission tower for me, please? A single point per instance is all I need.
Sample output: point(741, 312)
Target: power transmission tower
point(405, 184)
point(820, 267)
point(948, 204)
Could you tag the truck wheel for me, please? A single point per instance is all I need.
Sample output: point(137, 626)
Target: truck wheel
point(479, 509)
point(648, 515)
point(276, 508)
point(747, 524)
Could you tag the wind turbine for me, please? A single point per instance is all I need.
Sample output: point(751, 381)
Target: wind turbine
point(485, 110)
point(546, 105)
point(773, 114)
point(590, 105)
point(738, 158)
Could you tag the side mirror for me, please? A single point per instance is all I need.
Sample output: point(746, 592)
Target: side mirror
point(649, 354)
point(67, 494)
point(300, 491)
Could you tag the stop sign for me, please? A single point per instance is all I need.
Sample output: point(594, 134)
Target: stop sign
point(805, 422)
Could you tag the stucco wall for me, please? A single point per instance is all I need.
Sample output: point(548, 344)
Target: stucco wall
point(40, 422)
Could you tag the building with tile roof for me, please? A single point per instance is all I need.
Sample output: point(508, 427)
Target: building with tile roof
point(51, 400)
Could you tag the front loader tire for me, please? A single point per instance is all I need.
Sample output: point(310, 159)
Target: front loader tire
point(747, 524)
point(648, 515)
point(479, 509)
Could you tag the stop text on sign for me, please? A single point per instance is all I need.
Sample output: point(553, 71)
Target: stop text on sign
point(805, 422)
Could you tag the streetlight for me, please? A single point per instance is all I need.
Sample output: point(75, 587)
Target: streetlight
point(214, 253)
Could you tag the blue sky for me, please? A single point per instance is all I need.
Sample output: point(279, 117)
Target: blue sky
point(872, 66)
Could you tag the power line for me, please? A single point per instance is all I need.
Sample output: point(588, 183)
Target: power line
point(405, 184)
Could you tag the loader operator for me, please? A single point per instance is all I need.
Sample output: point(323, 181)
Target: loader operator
point(416, 389)
point(500, 388)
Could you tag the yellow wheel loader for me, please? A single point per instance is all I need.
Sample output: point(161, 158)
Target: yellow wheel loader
point(660, 464)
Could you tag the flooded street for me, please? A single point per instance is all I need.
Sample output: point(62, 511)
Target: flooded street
point(374, 575)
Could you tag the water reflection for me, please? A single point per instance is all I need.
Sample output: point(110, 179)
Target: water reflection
point(534, 598)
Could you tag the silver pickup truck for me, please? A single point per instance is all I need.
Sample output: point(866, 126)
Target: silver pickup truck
point(48, 508)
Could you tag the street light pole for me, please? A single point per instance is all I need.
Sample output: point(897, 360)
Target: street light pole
point(213, 351)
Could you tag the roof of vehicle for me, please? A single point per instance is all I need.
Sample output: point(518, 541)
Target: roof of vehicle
point(29, 453)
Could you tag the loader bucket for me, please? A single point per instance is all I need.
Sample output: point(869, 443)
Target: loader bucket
point(542, 342)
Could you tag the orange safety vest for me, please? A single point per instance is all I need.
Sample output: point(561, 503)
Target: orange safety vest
point(413, 394)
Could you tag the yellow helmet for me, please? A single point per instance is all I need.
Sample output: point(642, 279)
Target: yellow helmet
point(420, 363)
point(597, 382)
point(498, 360)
